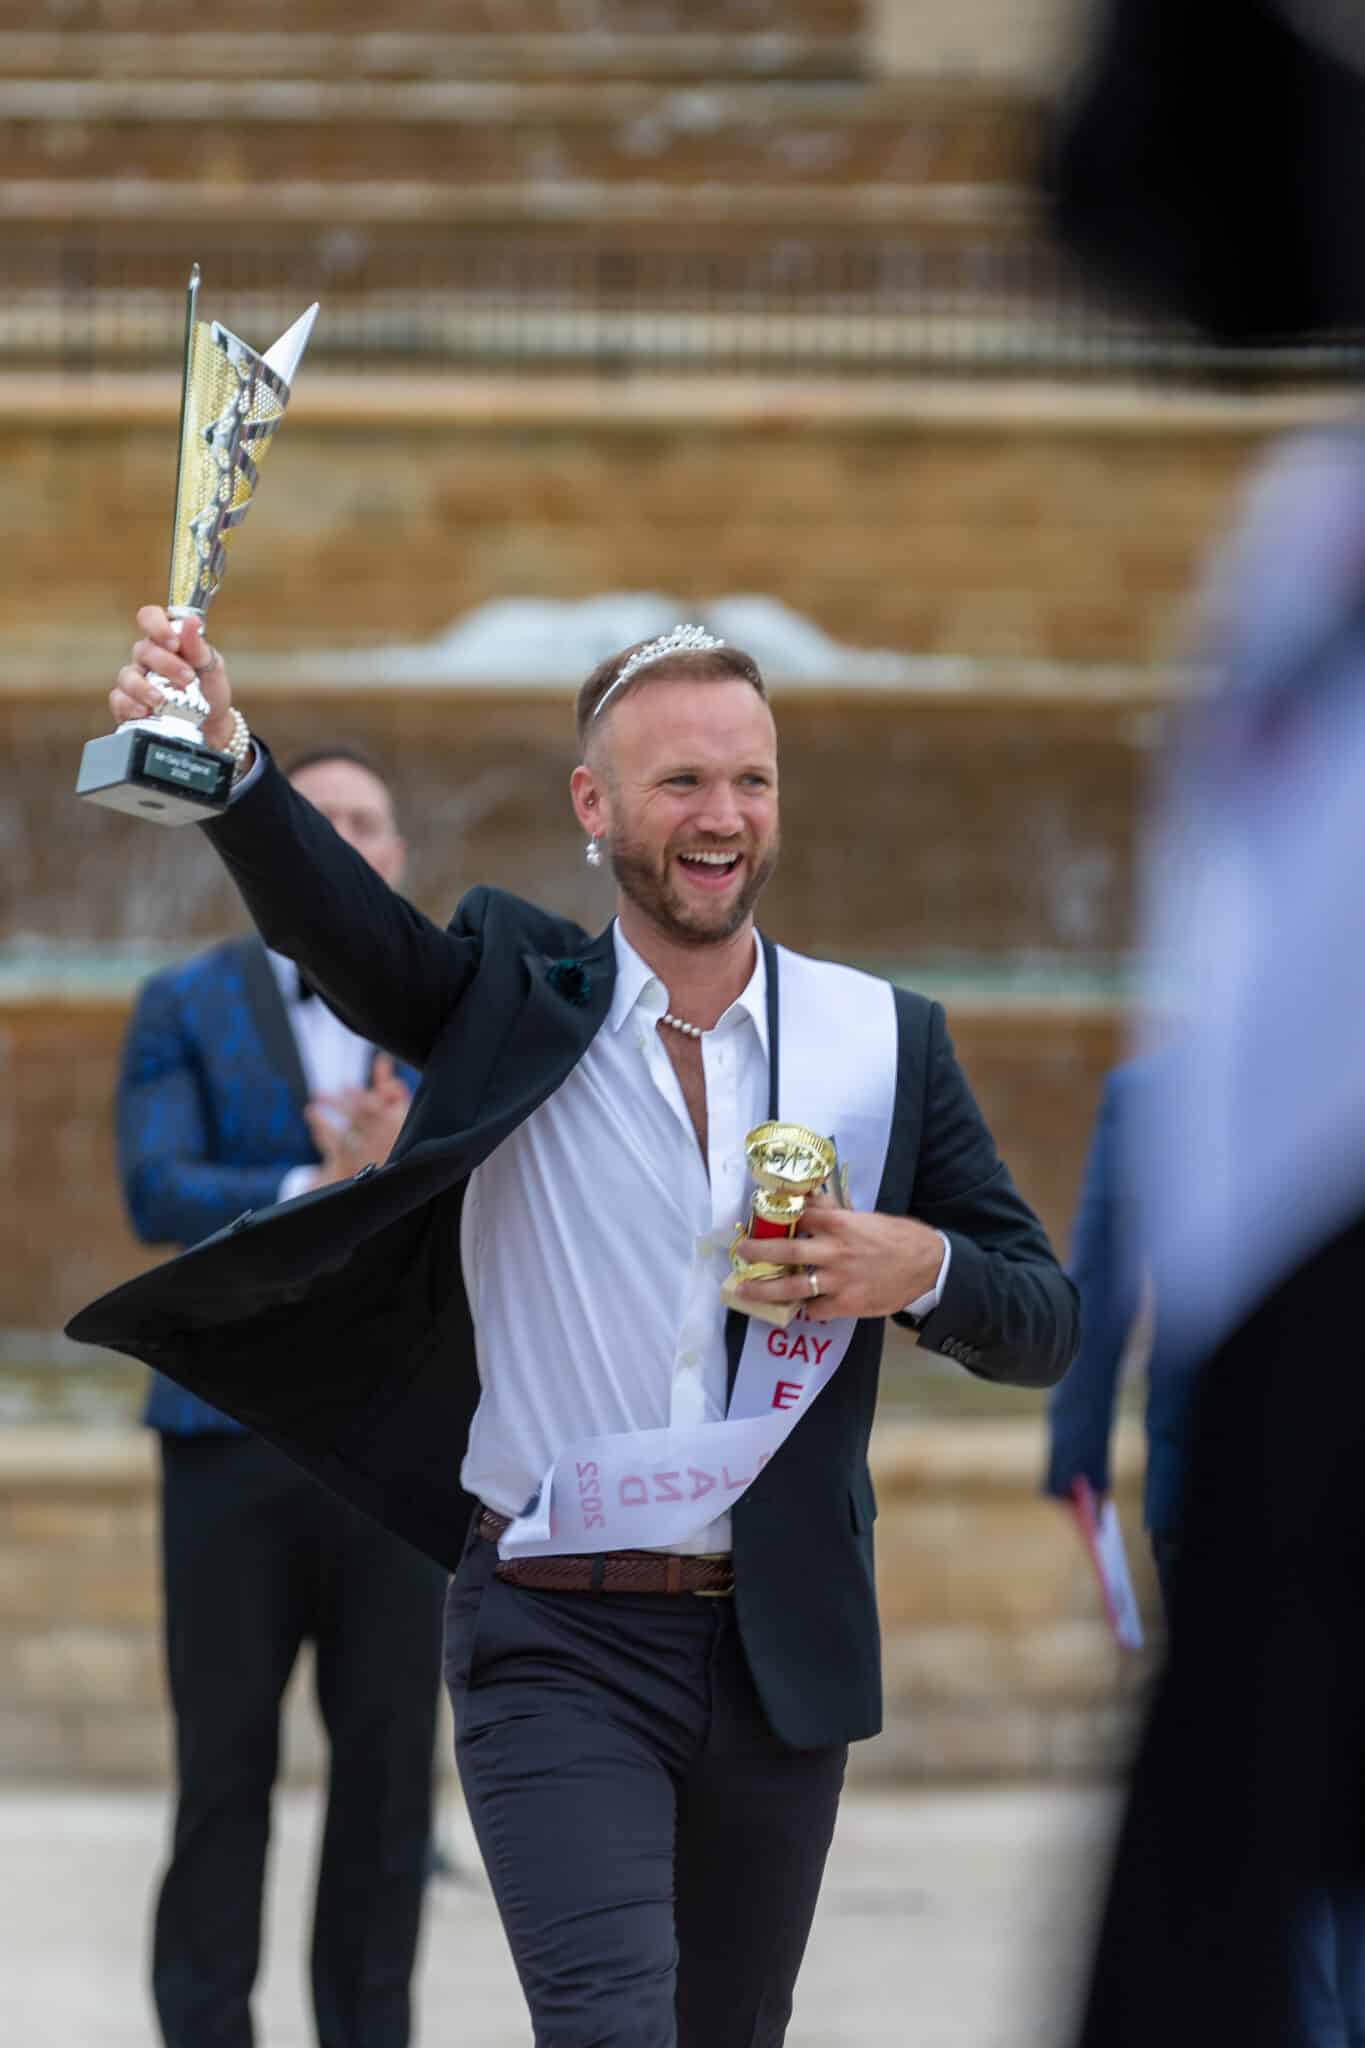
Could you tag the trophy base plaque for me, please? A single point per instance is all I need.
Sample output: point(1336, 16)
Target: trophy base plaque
point(155, 774)
point(779, 1312)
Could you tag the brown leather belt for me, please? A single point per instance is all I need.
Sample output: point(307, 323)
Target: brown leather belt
point(610, 1571)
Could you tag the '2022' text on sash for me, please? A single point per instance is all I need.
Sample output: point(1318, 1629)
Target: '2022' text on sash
point(652, 1488)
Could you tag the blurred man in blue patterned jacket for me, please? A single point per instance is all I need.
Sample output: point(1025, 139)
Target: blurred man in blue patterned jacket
point(240, 1088)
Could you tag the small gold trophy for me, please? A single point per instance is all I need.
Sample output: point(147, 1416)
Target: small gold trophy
point(789, 1163)
point(231, 402)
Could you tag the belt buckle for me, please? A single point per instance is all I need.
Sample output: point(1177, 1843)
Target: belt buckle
point(715, 1592)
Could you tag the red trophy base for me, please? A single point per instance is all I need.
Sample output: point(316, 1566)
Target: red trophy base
point(760, 1226)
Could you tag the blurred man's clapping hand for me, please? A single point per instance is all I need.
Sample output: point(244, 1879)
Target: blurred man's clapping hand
point(357, 1126)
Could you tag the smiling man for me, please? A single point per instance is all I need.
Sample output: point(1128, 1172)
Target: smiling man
point(661, 1631)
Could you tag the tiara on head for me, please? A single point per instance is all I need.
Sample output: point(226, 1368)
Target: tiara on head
point(681, 640)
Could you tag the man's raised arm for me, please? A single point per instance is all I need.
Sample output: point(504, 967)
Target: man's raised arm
point(387, 970)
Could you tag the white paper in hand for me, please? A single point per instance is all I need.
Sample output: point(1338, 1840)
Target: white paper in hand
point(1103, 1539)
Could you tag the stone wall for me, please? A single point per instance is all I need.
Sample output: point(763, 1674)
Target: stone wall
point(996, 1655)
point(994, 522)
point(997, 1659)
point(81, 1690)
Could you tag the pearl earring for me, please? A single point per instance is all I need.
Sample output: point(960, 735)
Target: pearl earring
point(592, 854)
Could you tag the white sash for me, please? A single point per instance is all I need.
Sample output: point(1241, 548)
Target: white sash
point(653, 1488)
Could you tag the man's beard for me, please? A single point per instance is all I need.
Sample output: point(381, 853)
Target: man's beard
point(638, 878)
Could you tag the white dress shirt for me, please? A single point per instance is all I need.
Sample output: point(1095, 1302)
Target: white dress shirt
point(594, 1242)
point(332, 1056)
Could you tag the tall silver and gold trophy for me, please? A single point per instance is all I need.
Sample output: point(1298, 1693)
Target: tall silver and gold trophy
point(231, 403)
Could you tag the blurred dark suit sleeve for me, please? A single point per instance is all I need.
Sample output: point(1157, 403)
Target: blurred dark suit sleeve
point(1248, 1793)
point(1104, 1267)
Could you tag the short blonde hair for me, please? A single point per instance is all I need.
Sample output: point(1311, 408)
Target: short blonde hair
point(701, 665)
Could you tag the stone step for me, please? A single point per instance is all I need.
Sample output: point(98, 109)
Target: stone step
point(997, 1660)
point(453, 44)
point(249, 136)
point(990, 520)
point(661, 19)
point(88, 209)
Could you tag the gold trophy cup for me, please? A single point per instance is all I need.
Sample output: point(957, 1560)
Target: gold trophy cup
point(232, 401)
point(789, 1163)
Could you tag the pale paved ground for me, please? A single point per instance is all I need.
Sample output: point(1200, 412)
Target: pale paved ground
point(949, 1920)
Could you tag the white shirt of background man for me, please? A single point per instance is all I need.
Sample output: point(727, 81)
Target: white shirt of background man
point(594, 1243)
point(332, 1056)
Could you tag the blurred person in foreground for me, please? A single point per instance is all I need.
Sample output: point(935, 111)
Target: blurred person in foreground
point(1212, 159)
point(239, 1087)
point(652, 1734)
point(1119, 1321)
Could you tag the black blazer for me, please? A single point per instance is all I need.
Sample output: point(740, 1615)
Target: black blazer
point(337, 1325)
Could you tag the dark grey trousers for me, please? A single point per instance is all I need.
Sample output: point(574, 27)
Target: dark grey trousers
point(655, 1852)
point(257, 1559)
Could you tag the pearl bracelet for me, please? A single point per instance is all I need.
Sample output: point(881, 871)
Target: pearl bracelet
point(239, 745)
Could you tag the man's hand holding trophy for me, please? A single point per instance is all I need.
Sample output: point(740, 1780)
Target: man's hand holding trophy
point(803, 1249)
point(179, 743)
point(789, 1163)
point(173, 655)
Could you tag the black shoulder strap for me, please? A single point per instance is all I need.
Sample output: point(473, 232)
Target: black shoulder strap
point(736, 1326)
point(774, 1018)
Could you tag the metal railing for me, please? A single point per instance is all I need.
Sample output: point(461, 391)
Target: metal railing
point(971, 302)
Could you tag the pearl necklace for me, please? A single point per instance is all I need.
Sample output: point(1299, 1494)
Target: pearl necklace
point(688, 1030)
